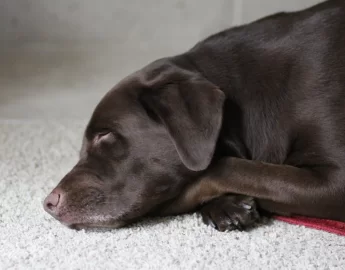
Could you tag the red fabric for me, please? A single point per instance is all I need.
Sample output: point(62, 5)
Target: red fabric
point(327, 225)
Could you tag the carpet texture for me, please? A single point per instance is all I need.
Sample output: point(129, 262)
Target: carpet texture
point(34, 155)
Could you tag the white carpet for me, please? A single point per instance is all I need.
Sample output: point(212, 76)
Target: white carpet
point(34, 155)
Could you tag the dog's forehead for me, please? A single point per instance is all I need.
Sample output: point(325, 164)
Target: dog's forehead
point(121, 98)
point(119, 104)
point(124, 95)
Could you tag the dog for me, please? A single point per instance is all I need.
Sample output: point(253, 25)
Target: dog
point(248, 122)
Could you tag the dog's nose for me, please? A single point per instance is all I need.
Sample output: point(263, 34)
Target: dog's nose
point(51, 203)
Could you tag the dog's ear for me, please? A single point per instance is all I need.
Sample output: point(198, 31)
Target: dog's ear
point(191, 110)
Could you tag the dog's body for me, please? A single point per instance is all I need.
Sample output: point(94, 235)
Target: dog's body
point(256, 110)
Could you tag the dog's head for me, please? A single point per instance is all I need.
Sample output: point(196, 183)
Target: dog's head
point(149, 136)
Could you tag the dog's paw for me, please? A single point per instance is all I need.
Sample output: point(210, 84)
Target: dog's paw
point(230, 212)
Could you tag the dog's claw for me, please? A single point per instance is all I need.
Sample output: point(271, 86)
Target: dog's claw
point(246, 206)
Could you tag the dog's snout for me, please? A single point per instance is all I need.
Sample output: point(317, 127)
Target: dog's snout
point(52, 202)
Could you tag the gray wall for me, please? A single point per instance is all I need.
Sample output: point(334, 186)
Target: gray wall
point(143, 22)
point(59, 57)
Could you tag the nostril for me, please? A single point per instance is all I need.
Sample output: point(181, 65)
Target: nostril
point(52, 201)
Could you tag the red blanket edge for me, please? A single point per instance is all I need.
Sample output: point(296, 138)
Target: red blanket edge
point(327, 225)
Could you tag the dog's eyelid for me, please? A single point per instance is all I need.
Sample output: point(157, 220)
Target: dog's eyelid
point(103, 132)
point(103, 135)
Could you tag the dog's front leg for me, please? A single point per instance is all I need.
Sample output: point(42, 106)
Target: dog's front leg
point(280, 189)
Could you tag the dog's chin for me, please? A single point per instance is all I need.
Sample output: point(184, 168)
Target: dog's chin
point(77, 222)
point(85, 226)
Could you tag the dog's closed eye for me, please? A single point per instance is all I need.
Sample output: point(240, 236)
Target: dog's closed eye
point(103, 135)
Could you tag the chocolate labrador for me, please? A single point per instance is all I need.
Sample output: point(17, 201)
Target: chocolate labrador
point(250, 120)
